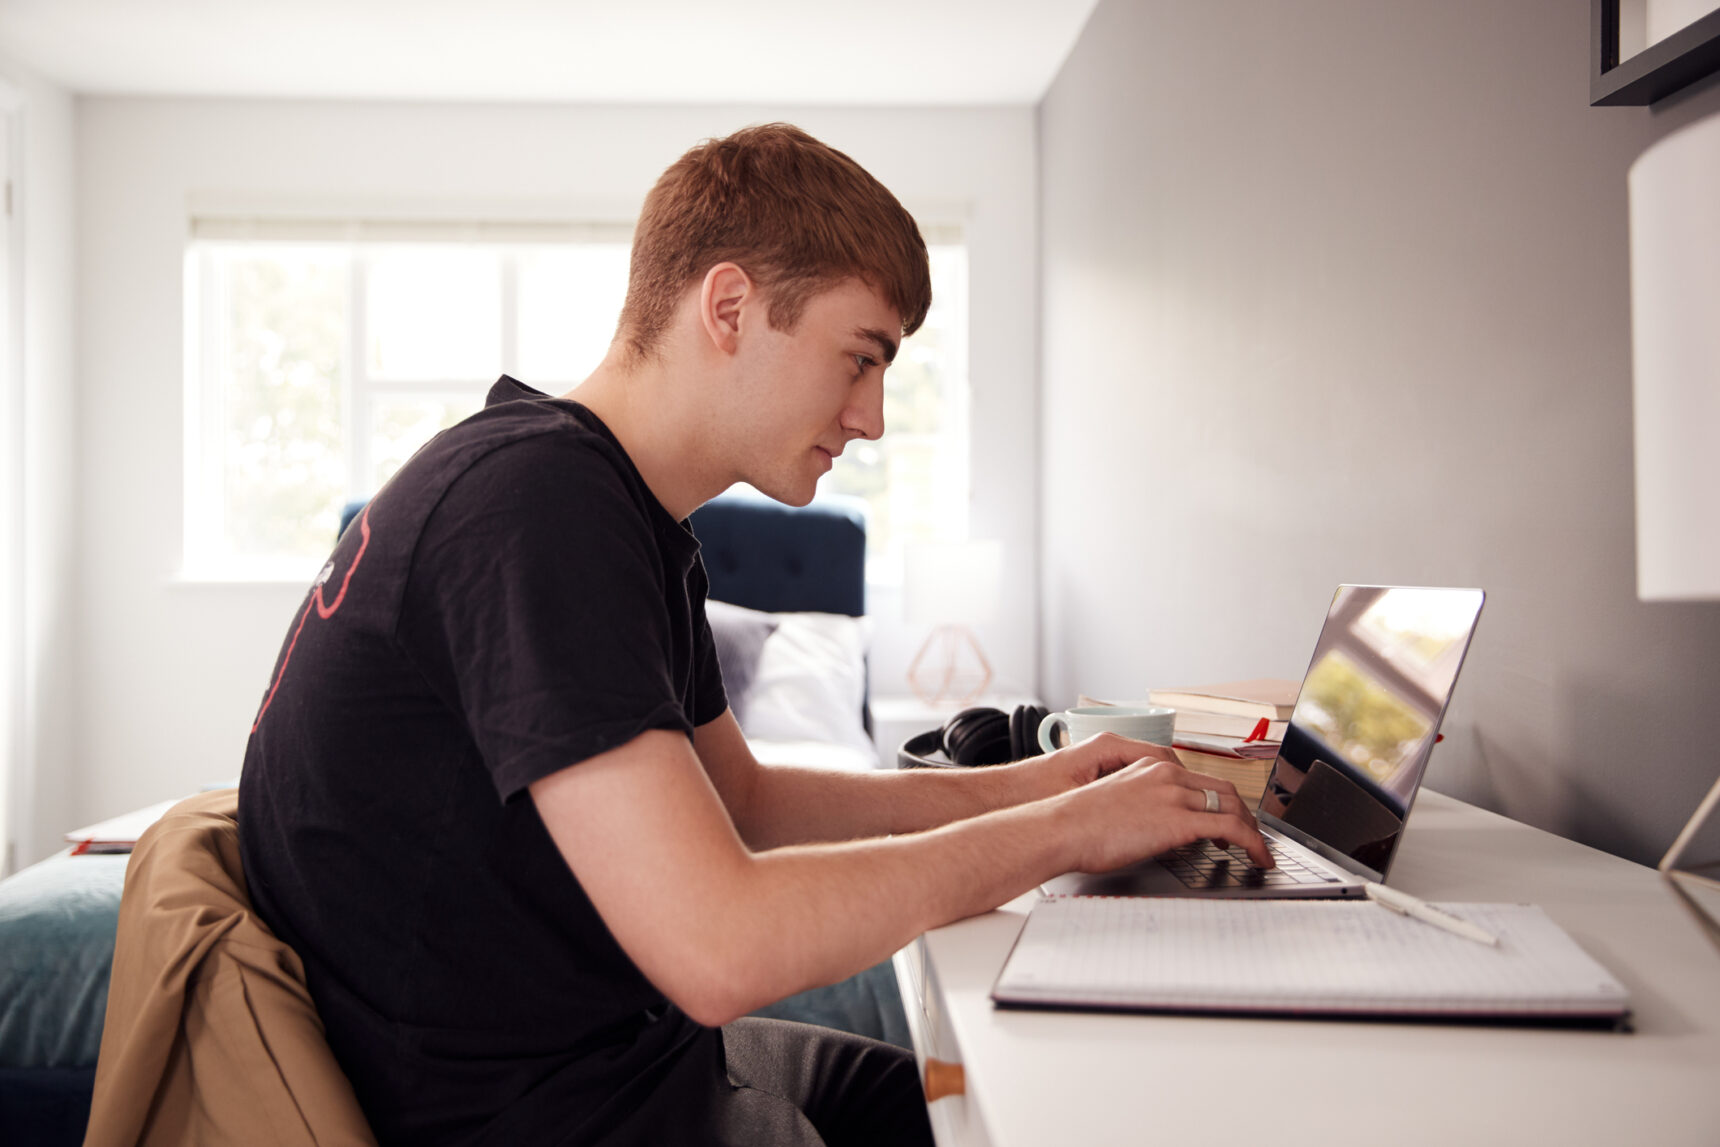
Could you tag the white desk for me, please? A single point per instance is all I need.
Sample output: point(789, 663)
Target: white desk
point(1069, 1078)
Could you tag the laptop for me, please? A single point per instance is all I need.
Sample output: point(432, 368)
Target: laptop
point(1352, 759)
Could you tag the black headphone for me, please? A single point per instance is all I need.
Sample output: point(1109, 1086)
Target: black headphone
point(979, 736)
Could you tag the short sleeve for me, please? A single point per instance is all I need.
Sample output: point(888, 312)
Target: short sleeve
point(538, 604)
point(710, 690)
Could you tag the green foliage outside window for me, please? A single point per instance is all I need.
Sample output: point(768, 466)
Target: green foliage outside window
point(284, 470)
point(1359, 717)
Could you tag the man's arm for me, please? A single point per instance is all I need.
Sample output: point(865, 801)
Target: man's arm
point(774, 805)
point(722, 929)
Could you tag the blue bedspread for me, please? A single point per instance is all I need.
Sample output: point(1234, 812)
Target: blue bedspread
point(57, 923)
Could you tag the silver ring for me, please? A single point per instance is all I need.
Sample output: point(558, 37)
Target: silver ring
point(1211, 799)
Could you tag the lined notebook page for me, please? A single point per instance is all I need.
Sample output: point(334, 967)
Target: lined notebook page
point(1308, 956)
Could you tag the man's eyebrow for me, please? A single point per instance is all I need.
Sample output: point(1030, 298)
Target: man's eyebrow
point(886, 344)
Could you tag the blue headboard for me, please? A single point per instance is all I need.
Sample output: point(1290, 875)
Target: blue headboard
point(776, 558)
point(348, 512)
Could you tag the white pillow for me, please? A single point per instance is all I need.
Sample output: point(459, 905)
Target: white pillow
point(740, 634)
point(811, 682)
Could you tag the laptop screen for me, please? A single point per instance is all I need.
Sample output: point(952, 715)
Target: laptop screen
point(1368, 714)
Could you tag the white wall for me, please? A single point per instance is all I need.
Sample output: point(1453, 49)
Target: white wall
point(171, 673)
point(43, 783)
point(1339, 291)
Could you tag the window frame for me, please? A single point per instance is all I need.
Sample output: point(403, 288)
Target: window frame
point(206, 556)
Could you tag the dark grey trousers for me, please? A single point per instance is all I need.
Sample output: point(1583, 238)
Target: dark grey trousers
point(800, 1085)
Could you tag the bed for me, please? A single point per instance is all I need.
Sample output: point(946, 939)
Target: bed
point(788, 612)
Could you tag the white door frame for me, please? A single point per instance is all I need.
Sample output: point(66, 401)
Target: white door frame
point(16, 781)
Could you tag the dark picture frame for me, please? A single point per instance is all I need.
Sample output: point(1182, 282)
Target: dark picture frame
point(1657, 71)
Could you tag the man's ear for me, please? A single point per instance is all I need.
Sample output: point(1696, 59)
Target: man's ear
point(722, 297)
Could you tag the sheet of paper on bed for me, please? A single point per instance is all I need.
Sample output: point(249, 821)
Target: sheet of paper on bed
point(119, 833)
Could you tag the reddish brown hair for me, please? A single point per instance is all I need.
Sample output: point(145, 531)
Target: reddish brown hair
point(797, 215)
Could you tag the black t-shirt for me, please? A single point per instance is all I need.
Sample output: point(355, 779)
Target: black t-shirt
point(514, 601)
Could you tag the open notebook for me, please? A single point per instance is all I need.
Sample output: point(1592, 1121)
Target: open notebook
point(1301, 957)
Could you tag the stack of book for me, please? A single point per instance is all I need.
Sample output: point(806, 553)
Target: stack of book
point(1231, 730)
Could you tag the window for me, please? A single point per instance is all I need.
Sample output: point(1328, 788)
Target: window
point(319, 361)
point(915, 478)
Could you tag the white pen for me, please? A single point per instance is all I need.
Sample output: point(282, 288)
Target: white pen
point(1407, 905)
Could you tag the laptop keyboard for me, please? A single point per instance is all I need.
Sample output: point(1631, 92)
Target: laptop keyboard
point(1205, 865)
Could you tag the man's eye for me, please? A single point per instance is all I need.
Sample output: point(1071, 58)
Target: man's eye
point(861, 362)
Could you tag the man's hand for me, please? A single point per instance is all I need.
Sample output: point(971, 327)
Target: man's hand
point(1127, 800)
point(1148, 805)
point(1133, 815)
point(1098, 756)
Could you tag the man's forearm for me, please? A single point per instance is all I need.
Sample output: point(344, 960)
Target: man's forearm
point(832, 909)
point(798, 805)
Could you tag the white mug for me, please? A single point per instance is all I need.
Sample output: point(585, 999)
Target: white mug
point(1152, 723)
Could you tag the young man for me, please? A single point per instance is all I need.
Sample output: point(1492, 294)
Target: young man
point(494, 797)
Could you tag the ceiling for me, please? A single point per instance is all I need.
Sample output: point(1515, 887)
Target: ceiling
point(881, 52)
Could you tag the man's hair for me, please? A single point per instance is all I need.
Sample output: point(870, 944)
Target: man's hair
point(797, 215)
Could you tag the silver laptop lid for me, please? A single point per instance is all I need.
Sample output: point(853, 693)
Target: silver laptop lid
point(1366, 719)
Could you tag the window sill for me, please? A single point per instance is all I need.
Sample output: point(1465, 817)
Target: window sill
point(265, 577)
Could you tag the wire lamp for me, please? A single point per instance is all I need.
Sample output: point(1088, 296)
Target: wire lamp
point(951, 586)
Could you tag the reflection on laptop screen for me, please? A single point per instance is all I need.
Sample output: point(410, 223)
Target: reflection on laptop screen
point(1368, 714)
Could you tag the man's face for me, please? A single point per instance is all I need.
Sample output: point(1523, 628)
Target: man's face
point(810, 391)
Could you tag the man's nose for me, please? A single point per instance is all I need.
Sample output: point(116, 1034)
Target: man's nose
point(865, 414)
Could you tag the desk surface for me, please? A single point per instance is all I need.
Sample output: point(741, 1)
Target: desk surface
point(1064, 1077)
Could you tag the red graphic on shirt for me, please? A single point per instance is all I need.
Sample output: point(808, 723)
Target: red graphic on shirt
point(324, 611)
